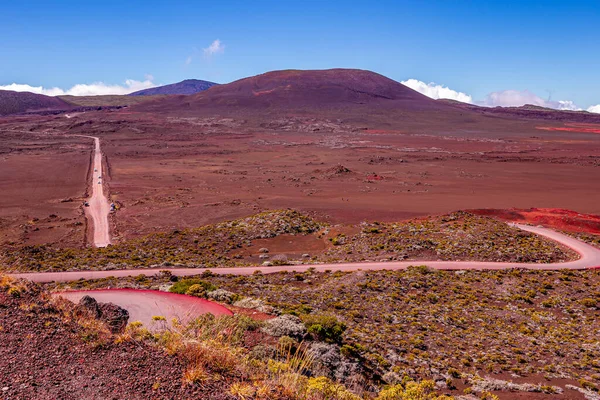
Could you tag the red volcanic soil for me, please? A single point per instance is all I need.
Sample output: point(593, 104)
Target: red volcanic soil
point(145, 304)
point(45, 357)
point(20, 102)
point(170, 172)
point(43, 182)
point(586, 128)
point(553, 217)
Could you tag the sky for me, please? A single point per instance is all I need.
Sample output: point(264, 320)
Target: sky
point(484, 52)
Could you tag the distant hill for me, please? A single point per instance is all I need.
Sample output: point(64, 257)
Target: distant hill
point(20, 102)
point(527, 111)
point(186, 87)
point(107, 100)
point(333, 92)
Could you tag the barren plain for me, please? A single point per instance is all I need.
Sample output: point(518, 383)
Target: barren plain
point(167, 172)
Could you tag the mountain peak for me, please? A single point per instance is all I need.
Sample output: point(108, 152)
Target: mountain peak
point(185, 87)
point(332, 92)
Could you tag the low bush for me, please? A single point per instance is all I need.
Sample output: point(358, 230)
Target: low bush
point(196, 290)
point(424, 390)
point(184, 285)
point(324, 327)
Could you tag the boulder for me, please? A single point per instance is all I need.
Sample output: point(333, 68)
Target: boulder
point(112, 315)
point(91, 305)
point(285, 325)
point(222, 295)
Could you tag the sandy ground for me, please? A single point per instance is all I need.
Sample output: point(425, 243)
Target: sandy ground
point(145, 304)
point(42, 187)
point(589, 258)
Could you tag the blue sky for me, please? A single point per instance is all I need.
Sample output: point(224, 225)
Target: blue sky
point(544, 48)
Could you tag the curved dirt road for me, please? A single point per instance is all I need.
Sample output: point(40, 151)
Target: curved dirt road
point(589, 258)
point(99, 207)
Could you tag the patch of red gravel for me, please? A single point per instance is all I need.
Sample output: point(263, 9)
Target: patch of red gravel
point(556, 218)
point(584, 128)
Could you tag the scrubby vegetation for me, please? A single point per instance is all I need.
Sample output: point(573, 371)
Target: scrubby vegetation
point(465, 330)
point(208, 246)
point(456, 236)
point(194, 287)
point(226, 357)
point(589, 238)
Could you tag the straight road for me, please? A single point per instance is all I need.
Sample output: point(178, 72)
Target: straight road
point(99, 207)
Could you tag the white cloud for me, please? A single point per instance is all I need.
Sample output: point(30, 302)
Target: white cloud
point(566, 105)
point(18, 87)
point(215, 47)
point(511, 98)
point(594, 109)
point(92, 89)
point(437, 91)
point(516, 98)
point(504, 98)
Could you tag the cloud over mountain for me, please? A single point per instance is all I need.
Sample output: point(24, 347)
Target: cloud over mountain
point(594, 109)
point(84, 89)
point(436, 91)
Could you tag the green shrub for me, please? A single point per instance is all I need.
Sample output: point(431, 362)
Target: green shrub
point(453, 372)
point(296, 309)
point(184, 285)
point(196, 290)
point(589, 303)
point(350, 351)
point(325, 327)
point(425, 390)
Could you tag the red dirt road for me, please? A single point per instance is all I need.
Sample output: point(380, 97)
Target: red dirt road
point(589, 258)
point(145, 304)
point(99, 207)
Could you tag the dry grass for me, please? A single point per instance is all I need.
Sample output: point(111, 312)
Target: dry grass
point(213, 351)
point(93, 330)
point(11, 286)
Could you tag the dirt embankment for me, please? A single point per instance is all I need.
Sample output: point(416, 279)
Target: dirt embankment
point(46, 357)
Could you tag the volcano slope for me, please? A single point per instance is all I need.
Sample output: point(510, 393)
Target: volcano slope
point(344, 145)
point(353, 95)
